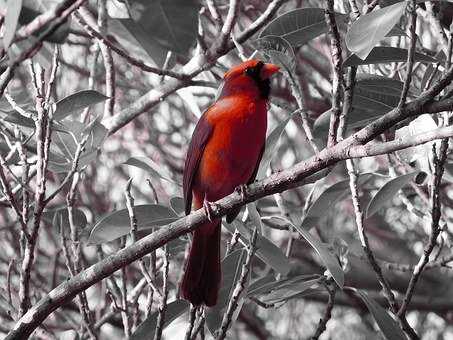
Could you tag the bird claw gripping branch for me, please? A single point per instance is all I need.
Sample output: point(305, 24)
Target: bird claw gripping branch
point(241, 189)
point(209, 208)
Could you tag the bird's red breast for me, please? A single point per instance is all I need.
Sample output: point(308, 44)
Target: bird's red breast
point(231, 154)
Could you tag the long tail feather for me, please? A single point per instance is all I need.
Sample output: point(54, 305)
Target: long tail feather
point(201, 281)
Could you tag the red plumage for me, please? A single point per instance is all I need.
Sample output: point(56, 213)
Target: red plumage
point(225, 152)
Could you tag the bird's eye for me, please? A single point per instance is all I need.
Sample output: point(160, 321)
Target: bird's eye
point(248, 71)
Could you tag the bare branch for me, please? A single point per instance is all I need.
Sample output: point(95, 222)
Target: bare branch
point(240, 285)
point(338, 80)
point(410, 53)
point(435, 230)
point(327, 314)
point(163, 303)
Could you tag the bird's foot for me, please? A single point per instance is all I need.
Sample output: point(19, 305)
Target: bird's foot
point(242, 190)
point(209, 208)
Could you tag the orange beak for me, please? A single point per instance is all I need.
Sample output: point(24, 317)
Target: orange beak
point(268, 70)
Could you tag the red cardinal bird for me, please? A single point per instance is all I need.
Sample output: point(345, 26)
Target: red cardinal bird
point(224, 153)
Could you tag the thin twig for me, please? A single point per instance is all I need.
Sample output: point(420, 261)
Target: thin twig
point(70, 174)
point(435, 22)
point(43, 133)
point(230, 20)
point(124, 305)
point(199, 329)
point(74, 263)
point(327, 314)
point(108, 60)
point(12, 200)
point(364, 238)
point(338, 80)
point(212, 7)
point(439, 162)
point(163, 304)
point(42, 20)
point(133, 234)
point(53, 73)
point(410, 54)
point(192, 318)
point(240, 286)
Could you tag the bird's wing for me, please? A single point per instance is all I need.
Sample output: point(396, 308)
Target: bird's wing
point(257, 166)
point(232, 215)
point(200, 137)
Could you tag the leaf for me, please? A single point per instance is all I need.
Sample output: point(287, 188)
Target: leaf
point(284, 291)
point(177, 204)
point(278, 51)
point(325, 202)
point(259, 285)
point(385, 195)
point(299, 26)
point(396, 31)
point(16, 118)
point(271, 146)
point(147, 328)
point(275, 220)
point(98, 134)
point(149, 166)
point(77, 101)
point(66, 144)
point(448, 173)
point(369, 29)
point(386, 323)
point(373, 102)
point(5, 306)
point(267, 251)
point(66, 165)
point(117, 223)
point(118, 9)
point(176, 246)
point(255, 217)
point(373, 96)
point(134, 38)
point(384, 54)
point(21, 96)
point(11, 20)
point(268, 284)
point(419, 153)
point(231, 272)
point(61, 221)
point(327, 257)
point(375, 83)
point(170, 24)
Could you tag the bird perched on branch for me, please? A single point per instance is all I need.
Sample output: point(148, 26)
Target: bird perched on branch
point(224, 153)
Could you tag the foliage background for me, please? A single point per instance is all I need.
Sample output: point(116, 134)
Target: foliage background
point(112, 128)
